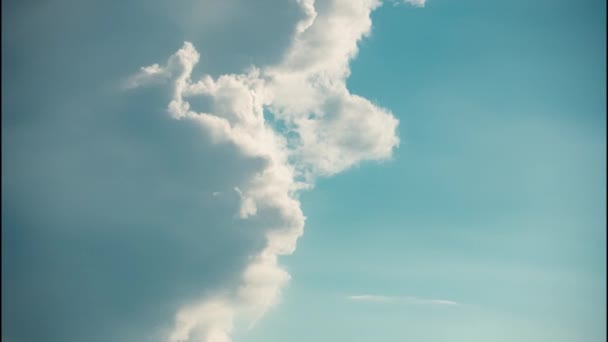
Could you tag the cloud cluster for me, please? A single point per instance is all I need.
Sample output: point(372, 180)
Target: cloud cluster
point(299, 118)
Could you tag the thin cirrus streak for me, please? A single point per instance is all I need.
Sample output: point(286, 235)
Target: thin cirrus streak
point(398, 299)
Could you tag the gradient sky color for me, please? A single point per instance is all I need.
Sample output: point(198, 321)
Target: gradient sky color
point(487, 224)
point(495, 198)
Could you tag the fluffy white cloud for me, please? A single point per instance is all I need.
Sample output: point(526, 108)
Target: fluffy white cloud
point(299, 118)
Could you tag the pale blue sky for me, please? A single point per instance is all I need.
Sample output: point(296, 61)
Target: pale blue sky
point(494, 200)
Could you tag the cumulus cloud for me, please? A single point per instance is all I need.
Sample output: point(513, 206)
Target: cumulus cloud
point(123, 223)
point(299, 118)
point(404, 300)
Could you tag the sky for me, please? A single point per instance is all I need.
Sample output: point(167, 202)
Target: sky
point(302, 170)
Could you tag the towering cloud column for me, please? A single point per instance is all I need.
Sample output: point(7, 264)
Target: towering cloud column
point(299, 118)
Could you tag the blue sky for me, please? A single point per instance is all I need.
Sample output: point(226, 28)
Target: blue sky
point(495, 199)
point(487, 223)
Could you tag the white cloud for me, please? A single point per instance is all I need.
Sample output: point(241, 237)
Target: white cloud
point(403, 300)
point(442, 302)
point(147, 75)
point(327, 130)
point(371, 298)
point(417, 3)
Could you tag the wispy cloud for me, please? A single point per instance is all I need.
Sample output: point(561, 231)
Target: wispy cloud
point(398, 299)
point(417, 3)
